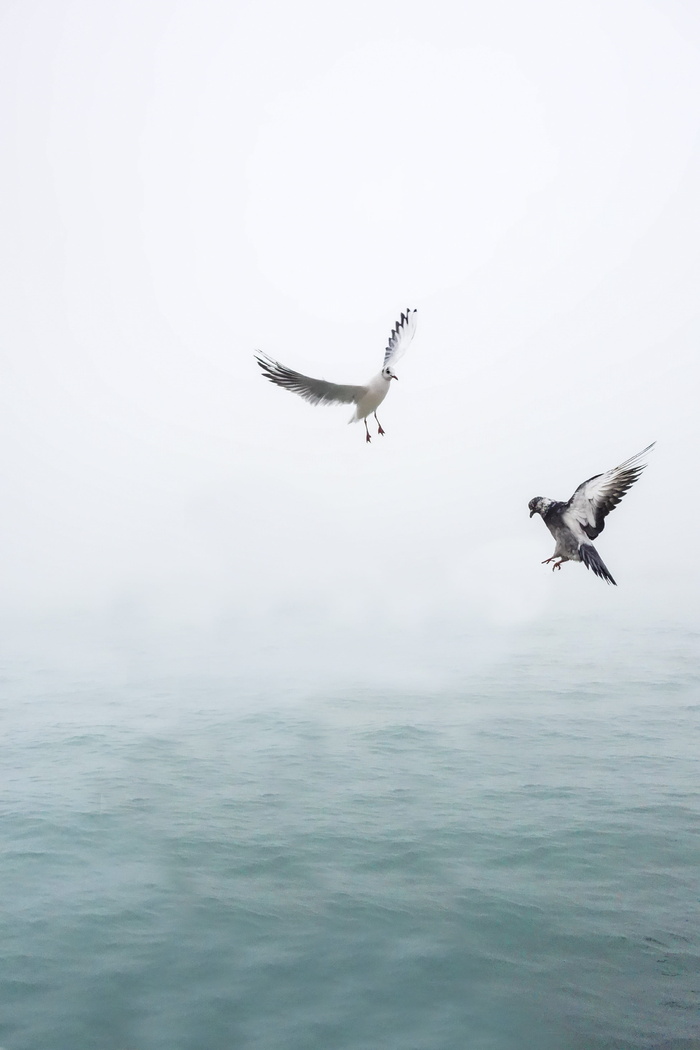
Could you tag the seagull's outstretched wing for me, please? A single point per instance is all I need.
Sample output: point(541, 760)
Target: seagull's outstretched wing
point(594, 499)
point(317, 391)
point(402, 334)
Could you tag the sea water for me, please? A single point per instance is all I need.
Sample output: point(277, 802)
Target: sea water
point(494, 854)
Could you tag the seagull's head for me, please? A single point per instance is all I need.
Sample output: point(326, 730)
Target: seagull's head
point(535, 505)
point(388, 374)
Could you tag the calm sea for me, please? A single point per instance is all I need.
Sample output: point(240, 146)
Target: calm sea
point(488, 850)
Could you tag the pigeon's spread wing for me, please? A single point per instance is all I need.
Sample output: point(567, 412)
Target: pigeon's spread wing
point(317, 391)
point(401, 335)
point(594, 499)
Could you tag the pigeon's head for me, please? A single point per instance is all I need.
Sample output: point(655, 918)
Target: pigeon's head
point(536, 505)
point(388, 374)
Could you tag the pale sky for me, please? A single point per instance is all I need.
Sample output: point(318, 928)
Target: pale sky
point(185, 183)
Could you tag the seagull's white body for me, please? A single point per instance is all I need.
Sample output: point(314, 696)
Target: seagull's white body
point(374, 393)
point(366, 398)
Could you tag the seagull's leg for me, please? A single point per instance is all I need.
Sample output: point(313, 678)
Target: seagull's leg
point(380, 431)
point(368, 439)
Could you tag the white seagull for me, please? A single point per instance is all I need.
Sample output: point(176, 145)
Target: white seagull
point(367, 398)
point(574, 523)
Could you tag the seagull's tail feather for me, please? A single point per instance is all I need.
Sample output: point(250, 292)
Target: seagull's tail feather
point(593, 561)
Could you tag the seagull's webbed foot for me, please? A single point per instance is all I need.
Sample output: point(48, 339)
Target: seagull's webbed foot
point(368, 439)
point(380, 430)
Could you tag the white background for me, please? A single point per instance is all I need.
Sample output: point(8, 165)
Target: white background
point(184, 183)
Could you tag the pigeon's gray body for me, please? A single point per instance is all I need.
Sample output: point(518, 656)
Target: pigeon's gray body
point(566, 542)
point(574, 524)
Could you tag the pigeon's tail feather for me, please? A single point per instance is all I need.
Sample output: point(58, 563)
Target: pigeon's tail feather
point(593, 561)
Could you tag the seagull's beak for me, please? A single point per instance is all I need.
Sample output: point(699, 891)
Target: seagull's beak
point(394, 377)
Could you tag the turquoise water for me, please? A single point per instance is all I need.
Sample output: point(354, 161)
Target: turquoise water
point(219, 859)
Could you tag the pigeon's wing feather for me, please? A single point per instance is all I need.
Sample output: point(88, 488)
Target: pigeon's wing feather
point(401, 335)
point(594, 499)
point(316, 391)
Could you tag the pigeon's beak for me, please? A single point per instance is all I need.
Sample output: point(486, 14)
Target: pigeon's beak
point(532, 512)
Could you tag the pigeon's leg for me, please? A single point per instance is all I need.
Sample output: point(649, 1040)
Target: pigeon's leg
point(380, 431)
point(368, 438)
point(547, 560)
point(557, 565)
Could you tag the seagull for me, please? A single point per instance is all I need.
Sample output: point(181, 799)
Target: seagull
point(574, 523)
point(367, 398)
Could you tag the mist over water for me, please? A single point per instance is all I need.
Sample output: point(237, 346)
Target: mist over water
point(199, 854)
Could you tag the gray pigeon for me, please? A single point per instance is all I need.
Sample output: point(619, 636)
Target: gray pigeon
point(574, 523)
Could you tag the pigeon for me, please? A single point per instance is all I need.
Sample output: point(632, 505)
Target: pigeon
point(367, 398)
point(575, 523)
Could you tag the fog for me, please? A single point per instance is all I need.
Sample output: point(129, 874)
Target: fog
point(185, 184)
